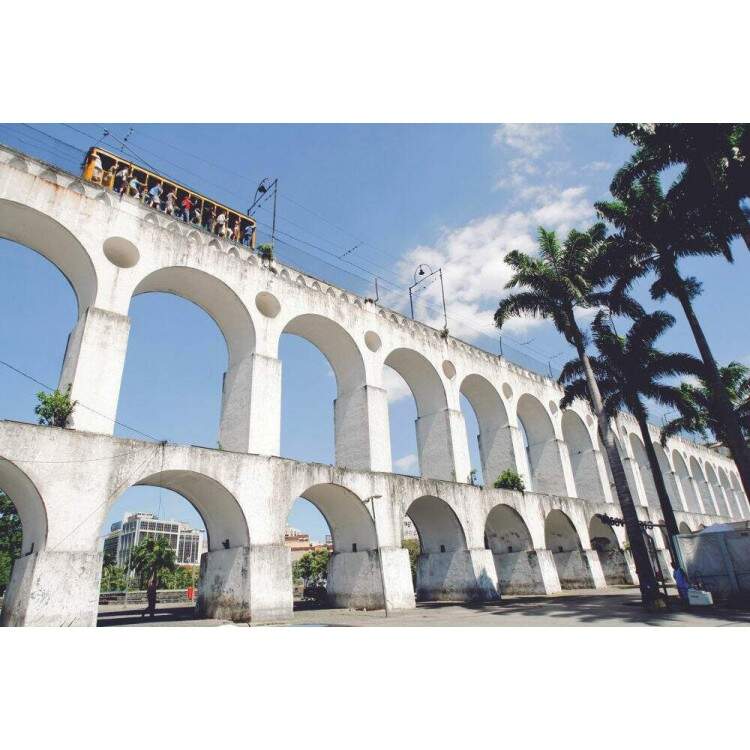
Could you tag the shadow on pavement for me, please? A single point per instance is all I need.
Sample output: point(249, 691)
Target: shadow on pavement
point(133, 616)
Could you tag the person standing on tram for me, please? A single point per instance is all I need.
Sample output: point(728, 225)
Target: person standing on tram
point(154, 195)
point(187, 206)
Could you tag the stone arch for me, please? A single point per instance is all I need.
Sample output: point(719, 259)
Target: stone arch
point(542, 449)
point(583, 462)
point(422, 378)
point(728, 494)
point(336, 345)
point(644, 470)
point(668, 476)
point(683, 528)
point(495, 436)
point(56, 243)
point(506, 532)
point(611, 556)
point(28, 503)
point(703, 487)
point(437, 524)
point(221, 512)
point(212, 295)
point(683, 476)
point(739, 494)
point(721, 500)
point(560, 533)
point(353, 575)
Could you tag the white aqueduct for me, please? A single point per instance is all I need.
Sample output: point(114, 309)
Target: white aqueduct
point(476, 542)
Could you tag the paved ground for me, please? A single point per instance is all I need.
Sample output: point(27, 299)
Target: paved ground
point(616, 606)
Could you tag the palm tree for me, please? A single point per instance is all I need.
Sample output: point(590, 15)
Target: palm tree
point(655, 232)
point(698, 410)
point(716, 161)
point(629, 369)
point(563, 279)
point(151, 557)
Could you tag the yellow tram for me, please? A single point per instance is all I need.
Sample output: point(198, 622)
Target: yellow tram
point(102, 167)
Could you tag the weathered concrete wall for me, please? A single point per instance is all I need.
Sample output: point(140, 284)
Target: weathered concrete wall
point(531, 572)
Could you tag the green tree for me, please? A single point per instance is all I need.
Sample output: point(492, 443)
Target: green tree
point(654, 233)
point(510, 479)
point(11, 537)
point(312, 567)
point(698, 409)
point(152, 558)
point(560, 280)
point(114, 578)
point(715, 158)
point(629, 370)
point(414, 549)
point(54, 409)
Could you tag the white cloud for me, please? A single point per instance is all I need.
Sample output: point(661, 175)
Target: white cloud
point(531, 140)
point(406, 463)
point(598, 166)
point(473, 260)
point(395, 385)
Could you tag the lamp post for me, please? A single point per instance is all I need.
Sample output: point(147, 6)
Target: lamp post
point(421, 275)
point(367, 500)
point(265, 185)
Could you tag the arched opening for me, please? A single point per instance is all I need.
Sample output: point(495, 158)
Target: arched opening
point(190, 341)
point(485, 415)
point(49, 238)
point(561, 538)
point(582, 458)
point(40, 310)
point(721, 500)
point(728, 494)
point(352, 575)
point(683, 476)
point(740, 495)
point(508, 538)
point(402, 416)
point(545, 467)
point(644, 470)
point(442, 566)
point(703, 487)
point(683, 528)
point(23, 524)
point(666, 472)
point(195, 514)
point(322, 366)
point(433, 426)
point(611, 557)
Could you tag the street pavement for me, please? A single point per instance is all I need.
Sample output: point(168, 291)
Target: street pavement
point(617, 606)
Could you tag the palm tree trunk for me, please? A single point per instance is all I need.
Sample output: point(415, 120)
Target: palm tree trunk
point(733, 436)
point(646, 578)
point(661, 488)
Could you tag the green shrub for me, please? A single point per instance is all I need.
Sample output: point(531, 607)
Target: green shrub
point(510, 480)
point(266, 252)
point(54, 409)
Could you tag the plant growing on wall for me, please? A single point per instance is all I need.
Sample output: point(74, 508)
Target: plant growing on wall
point(510, 479)
point(266, 252)
point(54, 409)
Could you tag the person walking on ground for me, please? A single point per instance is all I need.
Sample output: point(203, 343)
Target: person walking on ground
point(150, 597)
point(681, 581)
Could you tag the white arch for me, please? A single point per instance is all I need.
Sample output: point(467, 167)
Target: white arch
point(212, 295)
point(437, 524)
point(728, 494)
point(28, 503)
point(560, 534)
point(543, 452)
point(683, 475)
point(740, 495)
point(703, 487)
point(644, 469)
point(721, 501)
point(421, 377)
point(56, 243)
point(506, 531)
point(666, 472)
point(582, 457)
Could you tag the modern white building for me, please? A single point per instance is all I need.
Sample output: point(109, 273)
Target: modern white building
point(188, 543)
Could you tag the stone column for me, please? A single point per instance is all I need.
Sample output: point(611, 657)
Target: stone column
point(676, 484)
point(251, 406)
point(442, 446)
point(246, 584)
point(633, 475)
point(529, 572)
point(616, 567)
point(697, 492)
point(601, 468)
point(53, 589)
point(93, 366)
point(567, 468)
point(457, 576)
point(497, 451)
point(363, 438)
point(550, 464)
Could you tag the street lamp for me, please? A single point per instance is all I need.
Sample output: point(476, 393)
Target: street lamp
point(372, 499)
point(421, 275)
point(265, 185)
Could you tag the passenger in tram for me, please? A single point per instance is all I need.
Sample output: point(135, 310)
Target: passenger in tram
point(197, 215)
point(93, 170)
point(221, 224)
point(121, 179)
point(187, 207)
point(154, 195)
point(108, 181)
point(236, 230)
point(247, 235)
point(169, 205)
point(134, 187)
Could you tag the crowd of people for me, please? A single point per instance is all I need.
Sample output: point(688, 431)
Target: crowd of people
point(155, 193)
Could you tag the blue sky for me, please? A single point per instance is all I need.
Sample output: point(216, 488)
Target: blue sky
point(456, 196)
